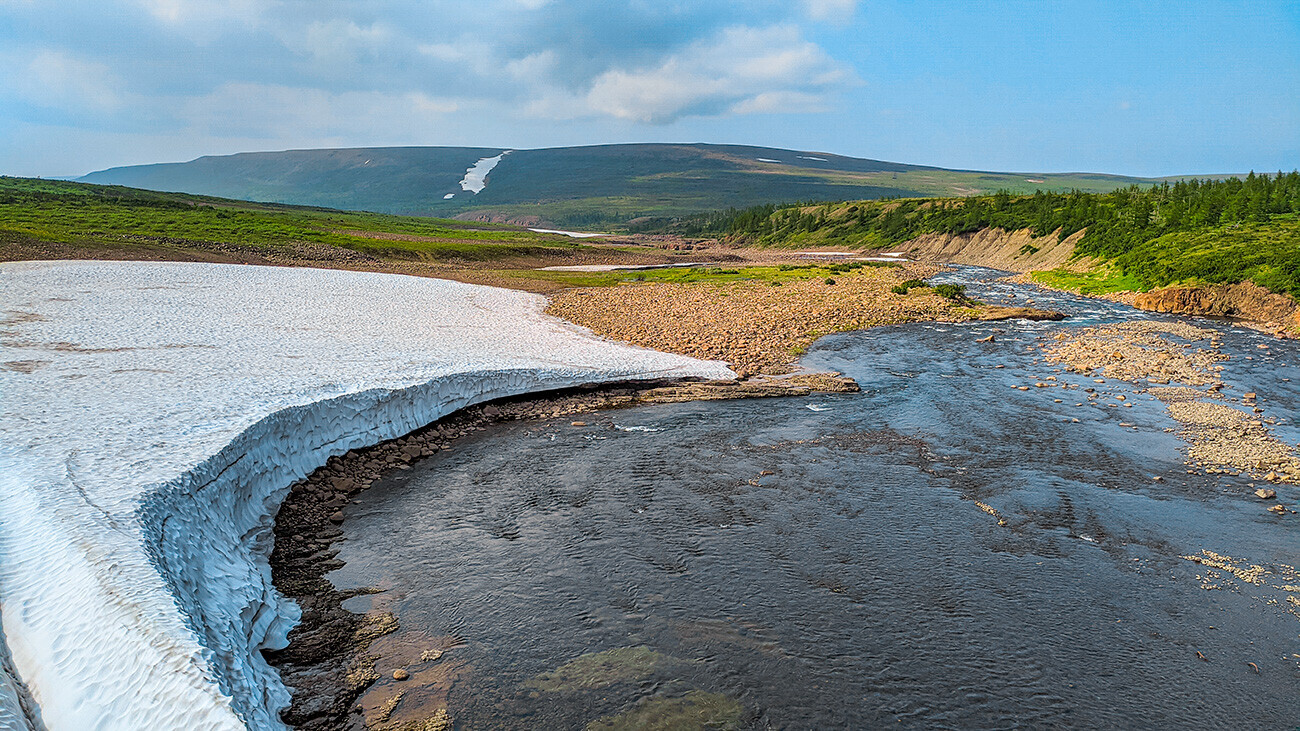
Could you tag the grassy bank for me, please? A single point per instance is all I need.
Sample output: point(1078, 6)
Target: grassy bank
point(1216, 231)
point(775, 275)
point(92, 218)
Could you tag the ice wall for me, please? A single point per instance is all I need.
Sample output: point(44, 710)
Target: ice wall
point(153, 415)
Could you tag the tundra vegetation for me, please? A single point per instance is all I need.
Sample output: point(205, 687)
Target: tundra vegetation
point(1214, 231)
point(95, 219)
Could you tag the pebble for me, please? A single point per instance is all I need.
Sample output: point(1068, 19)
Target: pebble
point(400, 674)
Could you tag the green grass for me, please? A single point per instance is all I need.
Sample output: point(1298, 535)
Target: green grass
point(774, 275)
point(1102, 280)
point(1266, 253)
point(90, 215)
point(1216, 231)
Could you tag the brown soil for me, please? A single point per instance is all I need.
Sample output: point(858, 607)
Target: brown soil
point(1244, 301)
point(1015, 251)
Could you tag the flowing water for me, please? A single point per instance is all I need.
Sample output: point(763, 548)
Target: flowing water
point(940, 551)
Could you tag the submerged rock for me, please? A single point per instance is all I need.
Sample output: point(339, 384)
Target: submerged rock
point(696, 709)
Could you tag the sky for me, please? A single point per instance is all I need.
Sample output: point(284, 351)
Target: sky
point(1150, 88)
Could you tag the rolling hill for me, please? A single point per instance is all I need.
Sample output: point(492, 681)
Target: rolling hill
point(599, 185)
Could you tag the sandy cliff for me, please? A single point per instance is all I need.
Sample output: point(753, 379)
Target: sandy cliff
point(1016, 251)
point(1244, 301)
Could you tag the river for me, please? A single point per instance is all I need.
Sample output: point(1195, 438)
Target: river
point(940, 550)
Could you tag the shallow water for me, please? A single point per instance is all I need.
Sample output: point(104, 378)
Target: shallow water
point(940, 550)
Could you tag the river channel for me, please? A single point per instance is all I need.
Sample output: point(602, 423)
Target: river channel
point(941, 550)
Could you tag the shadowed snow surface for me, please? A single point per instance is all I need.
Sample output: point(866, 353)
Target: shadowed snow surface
point(154, 415)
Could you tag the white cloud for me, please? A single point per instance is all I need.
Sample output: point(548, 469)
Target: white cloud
point(283, 112)
point(338, 41)
point(741, 70)
point(774, 102)
point(56, 79)
point(838, 10)
point(203, 15)
point(534, 66)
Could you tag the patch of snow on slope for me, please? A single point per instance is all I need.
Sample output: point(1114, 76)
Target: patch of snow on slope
point(475, 178)
point(570, 234)
point(154, 415)
point(810, 157)
point(766, 159)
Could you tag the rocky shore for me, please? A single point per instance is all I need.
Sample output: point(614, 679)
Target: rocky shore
point(1245, 301)
point(760, 328)
point(329, 663)
point(1169, 361)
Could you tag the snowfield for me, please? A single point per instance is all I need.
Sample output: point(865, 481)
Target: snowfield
point(153, 417)
point(475, 179)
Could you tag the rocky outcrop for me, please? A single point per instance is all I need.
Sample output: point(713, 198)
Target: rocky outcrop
point(1015, 251)
point(513, 219)
point(996, 313)
point(1242, 301)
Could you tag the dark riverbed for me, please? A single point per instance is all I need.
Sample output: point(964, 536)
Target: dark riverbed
point(940, 550)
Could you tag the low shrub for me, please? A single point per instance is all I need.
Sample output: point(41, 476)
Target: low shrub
point(907, 286)
point(951, 291)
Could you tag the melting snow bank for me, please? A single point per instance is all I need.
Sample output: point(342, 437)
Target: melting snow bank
point(154, 415)
point(570, 234)
point(475, 178)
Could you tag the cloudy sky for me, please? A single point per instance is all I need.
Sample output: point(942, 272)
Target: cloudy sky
point(1150, 88)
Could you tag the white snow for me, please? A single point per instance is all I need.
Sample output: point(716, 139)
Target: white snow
point(449, 196)
point(810, 157)
point(617, 267)
point(766, 159)
point(154, 415)
point(571, 234)
point(475, 178)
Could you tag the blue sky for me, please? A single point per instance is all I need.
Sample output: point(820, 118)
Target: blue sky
point(1150, 88)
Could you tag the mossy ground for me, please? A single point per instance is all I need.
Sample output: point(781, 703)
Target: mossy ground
point(1101, 280)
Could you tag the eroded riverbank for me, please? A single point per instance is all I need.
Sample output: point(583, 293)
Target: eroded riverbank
point(328, 661)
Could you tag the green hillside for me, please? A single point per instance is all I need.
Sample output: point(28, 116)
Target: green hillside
point(1209, 231)
point(95, 218)
point(593, 186)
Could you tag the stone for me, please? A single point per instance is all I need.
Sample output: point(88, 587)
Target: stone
point(1265, 493)
point(491, 411)
point(337, 517)
point(577, 423)
point(342, 483)
point(1250, 395)
point(989, 339)
point(400, 674)
point(1279, 509)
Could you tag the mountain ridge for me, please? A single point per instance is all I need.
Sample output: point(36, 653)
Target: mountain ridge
point(592, 185)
